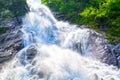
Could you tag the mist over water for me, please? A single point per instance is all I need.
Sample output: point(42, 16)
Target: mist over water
point(56, 50)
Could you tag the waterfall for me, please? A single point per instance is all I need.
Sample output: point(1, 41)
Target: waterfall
point(56, 50)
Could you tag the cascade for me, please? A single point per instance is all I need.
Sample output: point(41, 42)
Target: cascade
point(57, 50)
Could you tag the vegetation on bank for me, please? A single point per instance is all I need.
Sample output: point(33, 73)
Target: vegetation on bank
point(102, 15)
point(11, 9)
point(2, 30)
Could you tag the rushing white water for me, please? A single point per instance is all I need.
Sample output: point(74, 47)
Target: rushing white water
point(53, 51)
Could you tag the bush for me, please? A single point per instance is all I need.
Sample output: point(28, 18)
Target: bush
point(16, 7)
point(101, 15)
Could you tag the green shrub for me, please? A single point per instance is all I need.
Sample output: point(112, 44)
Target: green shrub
point(16, 7)
point(101, 15)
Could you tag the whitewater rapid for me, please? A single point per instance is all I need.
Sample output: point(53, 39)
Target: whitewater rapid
point(56, 50)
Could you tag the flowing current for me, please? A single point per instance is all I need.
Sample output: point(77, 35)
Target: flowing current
point(55, 50)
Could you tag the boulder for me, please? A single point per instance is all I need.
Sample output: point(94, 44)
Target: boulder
point(27, 55)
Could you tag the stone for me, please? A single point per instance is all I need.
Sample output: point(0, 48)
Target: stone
point(11, 41)
point(27, 55)
point(31, 52)
point(112, 57)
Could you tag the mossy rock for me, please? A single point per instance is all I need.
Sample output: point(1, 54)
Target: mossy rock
point(2, 30)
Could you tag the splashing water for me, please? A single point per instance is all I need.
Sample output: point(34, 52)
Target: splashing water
point(53, 51)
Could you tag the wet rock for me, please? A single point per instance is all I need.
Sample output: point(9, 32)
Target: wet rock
point(92, 44)
point(11, 23)
point(11, 41)
point(113, 55)
point(118, 61)
point(31, 52)
point(95, 77)
point(112, 60)
point(117, 49)
point(27, 55)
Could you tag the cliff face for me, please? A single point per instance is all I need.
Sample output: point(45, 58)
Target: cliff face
point(11, 41)
point(10, 24)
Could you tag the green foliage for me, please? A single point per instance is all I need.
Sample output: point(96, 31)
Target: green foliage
point(2, 30)
point(102, 15)
point(106, 14)
point(111, 39)
point(10, 9)
point(69, 8)
point(16, 7)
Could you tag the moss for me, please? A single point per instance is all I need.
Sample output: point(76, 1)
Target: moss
point(7, 15)
point(2, 30)
point(111, 39)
